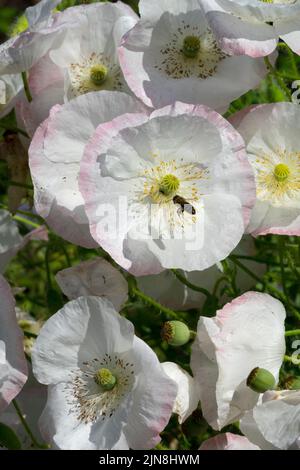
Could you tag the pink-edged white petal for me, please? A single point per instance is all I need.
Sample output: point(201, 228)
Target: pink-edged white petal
point(253, 27)
point(158, 71)
point(55, 154)
point(271, 135)
point(289, 31)
point(228, 441)
point(67, 69)
point(20, 53)
point(13, 367)
point(187, 396)
point(80, 340)
point(275, 420)
point(246, 333)
point(94, 277)
point(120, 174)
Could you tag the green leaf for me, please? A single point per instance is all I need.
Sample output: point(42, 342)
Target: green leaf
point(288, 63)
point(7, 15)
point(8, 438)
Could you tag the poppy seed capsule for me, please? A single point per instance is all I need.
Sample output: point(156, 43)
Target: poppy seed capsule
point(175, 333)
point(98, 74)
point(292, 383)
point(260, 380)
point(191, 47)
point(105, 378)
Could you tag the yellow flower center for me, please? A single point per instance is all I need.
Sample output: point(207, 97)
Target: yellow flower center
point(105, 378)
point(191, 46)
point(98, 74)
point(168, 185)
point(281, 172)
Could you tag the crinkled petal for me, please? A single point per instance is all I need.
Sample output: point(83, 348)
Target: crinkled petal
point(228, 441)
point(94, 277)
point(13, 367)
point(246, 333)
point(83, 328)
point(187, 397)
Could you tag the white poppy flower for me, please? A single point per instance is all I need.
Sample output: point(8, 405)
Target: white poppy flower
point(13, 368)
point(245, 334)
point(55, 154)
point(107, 389)
point(187, 397)
point(228, 441)
point(172, 293)
point(94, 277)
point(271, 133)
point(253, 27)
point(172, 55)
point(10, 89)
point(20, 52)
point(170, 190)
point(85, 61)
point(274, 423)
point(10, 239)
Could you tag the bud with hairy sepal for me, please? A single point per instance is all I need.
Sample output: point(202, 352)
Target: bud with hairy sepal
point(261, 380)
point(175, 333)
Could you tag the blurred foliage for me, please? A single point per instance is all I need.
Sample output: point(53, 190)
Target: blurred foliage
point(35, 266)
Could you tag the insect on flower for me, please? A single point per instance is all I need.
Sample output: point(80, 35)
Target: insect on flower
point(184, 204)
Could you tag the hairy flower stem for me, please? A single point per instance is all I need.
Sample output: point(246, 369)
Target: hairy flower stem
point(184, 281)
point(26, 221)
point(27, 428)
point(292, 333)
point(267, 287)
point(169, 314)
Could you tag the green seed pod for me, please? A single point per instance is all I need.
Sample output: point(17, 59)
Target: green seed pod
point(292, 383)
point(175, 333)
point(105, 378)
point(98, 74)
point(191, 47)
point(260, 380)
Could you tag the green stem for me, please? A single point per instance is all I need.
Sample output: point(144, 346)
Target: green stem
point(184, 280)
point(26, 87)
point(25, 221)
point(27, 428)
point(289, 359)
point(217, 285)
point(292, 333)
point(281, 247)
point(240, 265)
point(29, 214)
point(193, 334)
point(170, 314)
point(279, 79)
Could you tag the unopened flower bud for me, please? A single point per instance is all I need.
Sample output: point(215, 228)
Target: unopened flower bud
point(292, 383)
point(175, 333)
point(260, 380)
